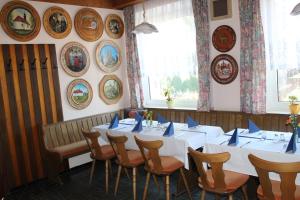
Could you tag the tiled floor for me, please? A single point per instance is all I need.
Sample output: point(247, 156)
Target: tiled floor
point(76, 187)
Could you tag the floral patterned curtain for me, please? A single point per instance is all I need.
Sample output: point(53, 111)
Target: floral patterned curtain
point(252, 58)
point(200, 9)
point(133, 65)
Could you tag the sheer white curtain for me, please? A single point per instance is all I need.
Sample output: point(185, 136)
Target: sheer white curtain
point(282, 39)
point(170, 52)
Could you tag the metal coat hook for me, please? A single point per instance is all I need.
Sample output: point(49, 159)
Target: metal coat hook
point(44, 63)
point(9, 65)
point(22, 65)
point(33, 63)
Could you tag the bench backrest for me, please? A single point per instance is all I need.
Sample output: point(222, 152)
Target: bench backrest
point(68, 132)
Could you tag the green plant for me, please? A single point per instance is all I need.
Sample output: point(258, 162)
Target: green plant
point(168, 93)
point(292, 99)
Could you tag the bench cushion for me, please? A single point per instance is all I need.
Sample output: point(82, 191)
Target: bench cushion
point(73, 149)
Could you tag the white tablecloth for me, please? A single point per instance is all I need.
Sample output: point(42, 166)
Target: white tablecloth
point(176, 145)
point(270, 149)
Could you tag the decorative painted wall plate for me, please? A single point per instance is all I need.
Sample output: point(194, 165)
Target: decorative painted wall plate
point(110, 89)
point(114, 26)
point(57, 22)
point(224, 38)
point(75, 59)
point(108, 56)
point(20, 21)
point(88, 24)
point(224, 69)
point(79, 94)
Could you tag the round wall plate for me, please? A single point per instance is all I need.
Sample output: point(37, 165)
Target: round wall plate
point(79, 94)
point(224, 38)
point(110, 89)
point(224, 69)
point(114, 26)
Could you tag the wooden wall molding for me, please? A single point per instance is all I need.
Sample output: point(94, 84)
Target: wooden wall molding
point(111, 4)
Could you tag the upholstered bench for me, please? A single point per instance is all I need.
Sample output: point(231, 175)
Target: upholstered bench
point(64, 140)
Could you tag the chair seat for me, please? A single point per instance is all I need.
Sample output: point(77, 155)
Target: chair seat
point(276, 191)
point(73, 149)
point(135, 158)
point(107, 153)
point(233, 180)
point(169, 164)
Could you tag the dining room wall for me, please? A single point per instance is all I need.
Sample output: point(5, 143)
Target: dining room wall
point(227, 97)
point(93, 75)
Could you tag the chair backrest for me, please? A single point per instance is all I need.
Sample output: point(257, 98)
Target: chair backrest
point(150, 153)
point(118, 145)
point(287, 172)
point(216, 162)
point(92, 141)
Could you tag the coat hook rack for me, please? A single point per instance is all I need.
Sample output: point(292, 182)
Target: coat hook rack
point(9, 65)
point(21, 65)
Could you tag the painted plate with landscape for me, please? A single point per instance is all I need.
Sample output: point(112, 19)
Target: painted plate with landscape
point(75, 59)
point(114, 26)
point(79, 94)
point(108, 56)
point(20, 21)
point(57, 22)
point(88, 24)
point(110, 89)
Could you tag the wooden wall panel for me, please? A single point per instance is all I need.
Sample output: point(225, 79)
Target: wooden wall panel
point(30, 97)
point(227, 120)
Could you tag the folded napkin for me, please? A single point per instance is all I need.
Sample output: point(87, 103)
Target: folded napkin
point(298, 131)
point(170, 130)
point(161, 119)
point(191, 123)
point(291, 148)
point(114, 122)
point(139, 126)
point(137, 116)
point(252, 127)
point(234, 140)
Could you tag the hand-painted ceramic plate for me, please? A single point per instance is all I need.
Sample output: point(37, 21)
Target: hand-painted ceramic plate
point(110, 89)
point(224, 69)
point(224, 38)
point(79, 94)
point(108, 56)
point(114, 26)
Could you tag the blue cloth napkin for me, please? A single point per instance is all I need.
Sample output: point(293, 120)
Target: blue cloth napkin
point(137, 116)
point(234, 140)
point(291, 148)
point(161, 119)
point(170, 130)
point(191, 123)
point(298, 130)
point(252, 127)
point(139, 126)
point(114, 122)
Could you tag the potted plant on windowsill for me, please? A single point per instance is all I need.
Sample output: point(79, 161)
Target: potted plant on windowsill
point(169, 97)
point(294, 107)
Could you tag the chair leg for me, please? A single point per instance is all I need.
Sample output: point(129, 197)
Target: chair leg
point(185, 183)
point(110, 169)
point(118, 179)
point(244, 189)
point(92, 171)
point(134, 182)
point(167, 187)
point(127, 174)
point(156, 182)
point(202, 197)
point(230, 197)
point(106, 176)
point(146, 186)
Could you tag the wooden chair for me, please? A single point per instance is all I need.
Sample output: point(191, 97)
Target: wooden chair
point(159, 165)
point(217, 180)
point(271, 190)
point(125, 159)
point(103, 153)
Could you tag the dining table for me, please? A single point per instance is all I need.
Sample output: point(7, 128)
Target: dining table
point(267, 145)
point(175, 145)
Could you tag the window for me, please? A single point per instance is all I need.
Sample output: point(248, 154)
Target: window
point(168, 58)
point(282, 39)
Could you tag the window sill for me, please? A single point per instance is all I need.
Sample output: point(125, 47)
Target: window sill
point(173, 108)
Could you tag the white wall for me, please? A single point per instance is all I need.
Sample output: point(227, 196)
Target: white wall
point(227, 97)
point(93, 75)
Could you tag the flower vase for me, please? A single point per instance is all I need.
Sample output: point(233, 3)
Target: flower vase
point(170, 104)
point(294, 109)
